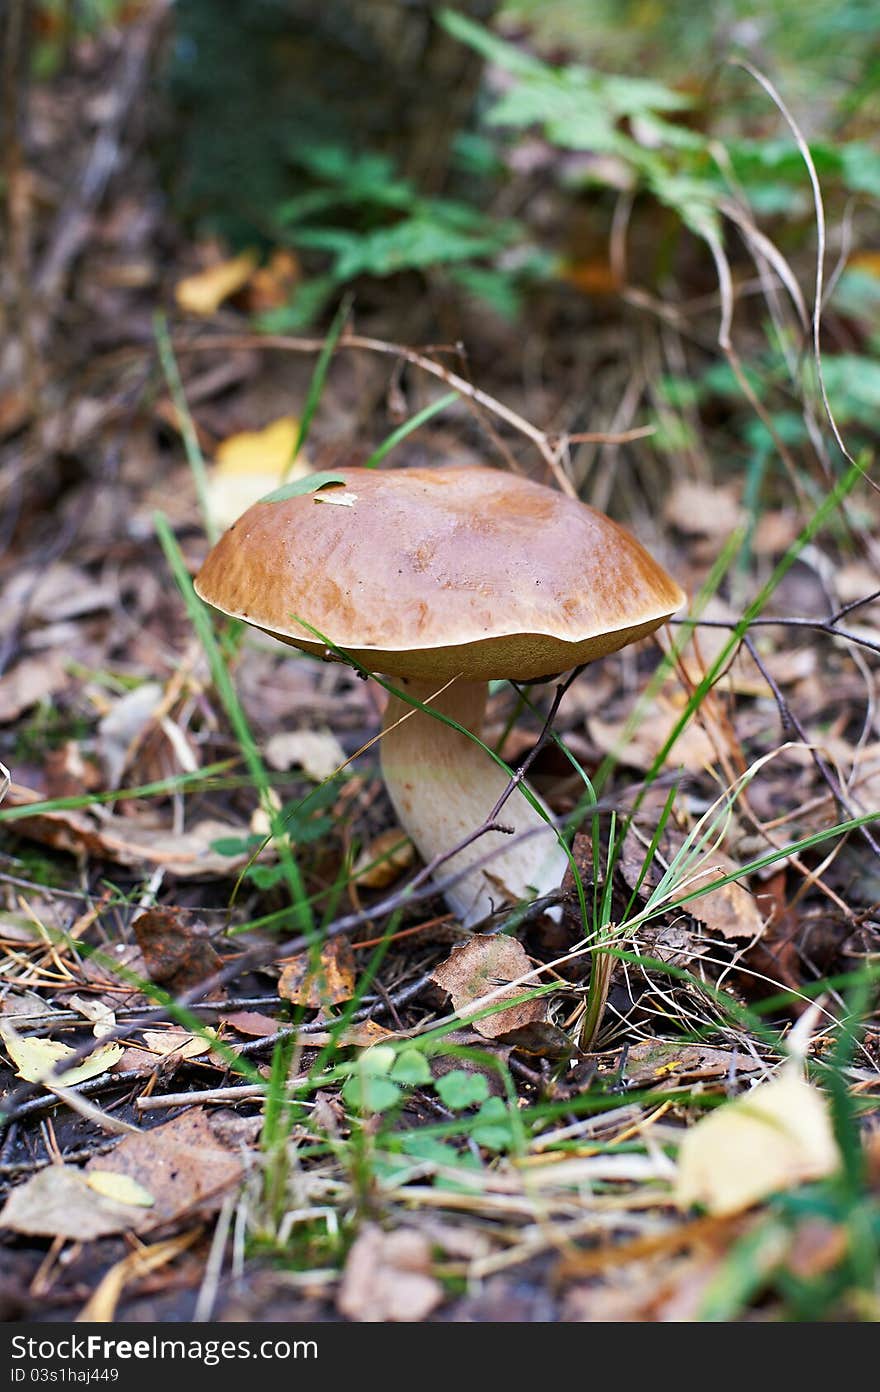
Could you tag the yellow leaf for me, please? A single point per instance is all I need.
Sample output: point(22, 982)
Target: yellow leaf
point(204, 292)
point(251, 464)
point(119, 1187)
point(35, 1059)
point(773, 1138)
point(177, 1042)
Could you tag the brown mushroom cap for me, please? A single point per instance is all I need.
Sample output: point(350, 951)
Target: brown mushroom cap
point(436, 573)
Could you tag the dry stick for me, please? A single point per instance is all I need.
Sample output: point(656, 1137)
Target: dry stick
point(548, 446)
point(828, 626)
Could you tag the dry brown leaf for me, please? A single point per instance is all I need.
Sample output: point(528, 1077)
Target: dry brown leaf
point(702, 509)
point(730, 910)
point(317, 752)
point(478, 969)
point(693, 749)
point(251, 1023)
point(773, 1138)
point(387, 1276)
point(204, 292)
point(384, 860)
point(272, 285)
point(59, 1202)
point(181, 1164)
point(123, 840)
point(326, 982)
point(30, 681)
point(657, 1060)
point(178, 953)
point(363, 1034)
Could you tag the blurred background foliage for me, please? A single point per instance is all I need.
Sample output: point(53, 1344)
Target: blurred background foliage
point(552, 164)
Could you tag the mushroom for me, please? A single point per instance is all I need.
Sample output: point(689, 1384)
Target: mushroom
point(445, 579)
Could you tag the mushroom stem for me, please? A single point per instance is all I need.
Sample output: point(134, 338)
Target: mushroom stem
point(444, 786)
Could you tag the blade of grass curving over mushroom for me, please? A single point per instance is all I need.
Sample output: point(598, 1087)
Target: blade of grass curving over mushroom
point(201, 621)
point(397, 436)
point(319, 378)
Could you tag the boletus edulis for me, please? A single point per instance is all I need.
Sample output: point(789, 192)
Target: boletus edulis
point(445, 579)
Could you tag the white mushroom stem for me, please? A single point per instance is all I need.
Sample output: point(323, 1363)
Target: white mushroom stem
point(444, 787)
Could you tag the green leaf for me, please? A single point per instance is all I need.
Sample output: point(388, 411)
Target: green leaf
point(460, 1089)
point(411, 1067)
point(310, 484)
point(493, 1130)
point(369, 1093)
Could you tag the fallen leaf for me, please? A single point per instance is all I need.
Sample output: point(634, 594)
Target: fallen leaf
point(730, 910)
point(251, 1023)
point(120, 839)
point(101, 1016)
point(177, 954)
point(181, 1163)
point(703, 509)
point(204, 292)
point(36, 1058)
point(129, 716)
point(387, 1277)
point(384, 860)
point(177, 1042)
point(59, 1202)
point(693, 749)
point(30, 681)
point(661, 1060)
point(250, 464)
point(317, 752)
point(119, 1187)
point(478, 969)
point(100, 1308)
point(363, 1034)
point(328, 982)
point(773, 1138)
point(272, 285)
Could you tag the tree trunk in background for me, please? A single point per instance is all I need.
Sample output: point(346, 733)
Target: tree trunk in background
point(253, 79)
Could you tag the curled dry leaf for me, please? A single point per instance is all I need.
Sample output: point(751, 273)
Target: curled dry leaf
point(775, 1137)
point(30, 681)
point(325, 982)
point(178, 954)
point(363, 1034)
point(477, 970)
point(661, 1060)
point(384, 860)
point(123, 840)
point(387, 1276)
point(204, 292)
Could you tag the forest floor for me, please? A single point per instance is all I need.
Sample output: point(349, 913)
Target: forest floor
point(246, 1138)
